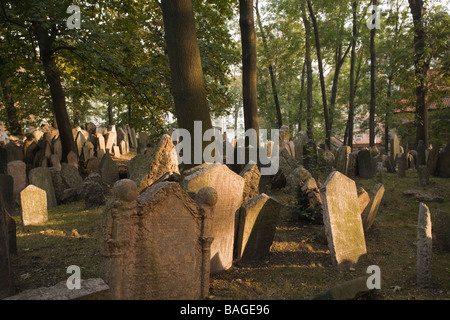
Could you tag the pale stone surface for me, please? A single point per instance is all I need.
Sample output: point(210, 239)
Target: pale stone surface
point(90, 289)
point(33, 202)
point(154, 165)
point(424, 246)
point(229, 187)
point(258, 219)
point(363, 199)
point(370, 212)
point(342, 220)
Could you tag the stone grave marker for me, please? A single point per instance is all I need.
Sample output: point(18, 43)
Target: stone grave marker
point(108, 170)
point(433, 160)
point(33, 202)
point(424, 246)
point(424, 175)
point(342, 158)
point(6, 272)
point(72, 159)
point(365, 164)
point(18, 170)
point(258, 219)
point(71, 175)
point(370, 212)
point(252, 177)
point(401, 163)
point(342, 220)
point(229, 187)
point(41, 177)
point(394, 149)
point(443, 167)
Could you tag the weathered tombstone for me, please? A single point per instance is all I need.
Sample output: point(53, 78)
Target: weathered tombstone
point(88, 150)
point(110, 140)
point(100, 143)
point(379, 172)
point(133, 139)
point(18, 170)
point(41, 178)
point(342, 220)
point(342, 158)
point(33, 202)
point(79, 142)
point(108, 170)
point(394, 149)
point(424, 246)
point(116, 151)
point(298, 146)
point(370, 212)
point(58, 183)
point(71, 175)
point(363, 199)
point(441, 226)
point(151, 250)
point(257, 223)
point(229, 187)
point(162, 160)
point(252, 177)
point(352, 168)
point(57, 147)
point(14, 151)
point(123, 147)
point(72, 159)
point(93, 165)
point(401, 162)
point(94, 196)
point(433, 160)
point(443, 167)
point(424, 175)
point(421, 157)
point(365, 168)
point(6, 272)
point(54, 161)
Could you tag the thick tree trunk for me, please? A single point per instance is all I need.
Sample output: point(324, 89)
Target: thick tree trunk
point(45, 42)
point(271, 73)
point(321, 76)
point(188, 86)
point(302, 91)
point(248, 40)
point(351, 102)
point(129, 115)
point(110, 111)
point(13, 121)
point(309, 80)
point(373, 77)
point(421, 70)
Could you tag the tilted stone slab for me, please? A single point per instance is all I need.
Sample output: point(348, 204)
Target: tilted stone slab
point(342, 220)
point(371, 210)
point(229, 187)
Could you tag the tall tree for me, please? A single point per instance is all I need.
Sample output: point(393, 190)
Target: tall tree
point(309, 78)
point(321, 76)
point(421, 66)
point(248, 40)
point(373, 77)
point(188, 88)
point(271, 73)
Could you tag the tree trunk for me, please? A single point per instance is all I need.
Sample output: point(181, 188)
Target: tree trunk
point(271, 73)
point(129, 115)
point(351, 102)
point(302, 91)
point(421, 69)
point(373, 77)
point(13, 122)
point(248, 40)
point(386, 122)
point(188, 86)
point(309, 79)
point(45, 42)
point(321, 76)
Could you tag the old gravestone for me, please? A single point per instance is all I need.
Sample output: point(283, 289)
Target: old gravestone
point(424, 175)
point(17, 169)
point(394, 149)
point(424, 246)
point(352, 168)
point(72, 159)
point(342, 220)
point(401, 162)
point(79, 142)
point(252, 177)
point(229, 187)
point(152, 166)
point(257, 223)
point(371, 210)
point(151, 250)
point(443, 166)
point(41, 177)
point(342, 158)
point(108, 169)
point(432, 162)
point(71, 175)
point(33, 202)
point(365, 167)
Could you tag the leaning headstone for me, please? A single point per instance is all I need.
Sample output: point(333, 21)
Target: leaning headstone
point(41, 177)
point(424, 246)
point(256, 228)
point(6, 272)
point(108, 170)
point(342, 220)
point(371, 210)
point(229, 187)
point(17, 169)
point(394, 149)
point(252, 177)
point(33, 202)
point(79, 142)
point(363, 199)
point(162, 160)
point(150, 250)
point(71, 175)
